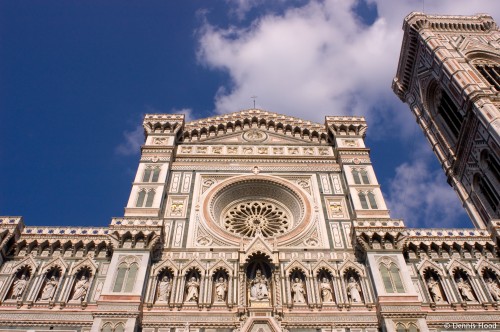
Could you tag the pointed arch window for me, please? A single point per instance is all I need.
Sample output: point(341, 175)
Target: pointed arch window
point(107, 328)
point(491, 73)
point(489, 192)
point(355, 175)
point(125, 277)
point(367, 200)
point(371, 200)
point(145, 198)
point(450, 114)
point(391, 278)
point(151, 174)
point(364, 176)
point(362, 200)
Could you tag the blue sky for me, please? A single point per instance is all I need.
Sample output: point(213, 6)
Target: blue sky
point(76, 79)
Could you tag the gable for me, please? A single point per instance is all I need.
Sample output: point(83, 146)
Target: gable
point(254, 126)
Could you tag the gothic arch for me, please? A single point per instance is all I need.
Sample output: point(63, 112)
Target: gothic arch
point(194, 264)
point(28, 262)
point(323, 265)
point(166, 264)
point(85, 263)
point(350, 265)
point(294, 266)
point(59, 262)
point(484, 264)
point(455, 265)
point(221, 265)
point(428, 264)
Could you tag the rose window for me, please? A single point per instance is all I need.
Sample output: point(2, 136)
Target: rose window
point(253, 217)
point(253, 207)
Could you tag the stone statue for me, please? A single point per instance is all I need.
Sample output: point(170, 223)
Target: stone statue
point(326, 290)
point(354, 290)
point(81, 288)
point(434, 290)
point(465, 290)
point(192, 290)
point(164, 289)
point(220, 290)
point(298, 291)
point(18, 287)
point(493, 288)
point(258, 287)
point(50, 289)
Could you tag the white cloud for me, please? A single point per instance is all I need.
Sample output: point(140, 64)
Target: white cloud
point(188, 113)
point(420, 194)
point(132, 142)
point(320, 59)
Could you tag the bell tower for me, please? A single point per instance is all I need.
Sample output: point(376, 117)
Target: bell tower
point(449, 75)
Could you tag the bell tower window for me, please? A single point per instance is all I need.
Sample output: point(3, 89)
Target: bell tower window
point(450, 114)
point(491, 73)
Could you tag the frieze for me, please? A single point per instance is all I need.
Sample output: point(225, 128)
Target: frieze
point(155, 159)
point(210, 165)
point(189, 317)
point(342, 317)
point(254, 150)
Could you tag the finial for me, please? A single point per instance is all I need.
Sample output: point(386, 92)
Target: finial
point(253, 97)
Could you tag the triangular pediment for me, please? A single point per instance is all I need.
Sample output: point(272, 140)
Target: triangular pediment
point(246, 125)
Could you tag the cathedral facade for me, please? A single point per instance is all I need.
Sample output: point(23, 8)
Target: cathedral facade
point(254, 221)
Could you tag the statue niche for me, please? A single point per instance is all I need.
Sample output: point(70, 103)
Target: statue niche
point(353, 287)
point(434, 286)
point(192, 289)
point(298, 287)
point(464, 286)
point(81, 285)
point(220, 287)
point(325, 287)
point(49, 285)
point(19, 284)
point(492, 283)
point(259, 282)
point(164, 286)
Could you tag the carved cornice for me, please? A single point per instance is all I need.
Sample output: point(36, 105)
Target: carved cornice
point(415, 24)
point(146, 231)
point(346, 125)
point(380, 234)
point(202, 129)
point(163, 123)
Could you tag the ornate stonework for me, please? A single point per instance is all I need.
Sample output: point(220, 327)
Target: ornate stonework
point(257, 221)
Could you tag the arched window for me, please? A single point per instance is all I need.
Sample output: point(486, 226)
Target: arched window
point(151, 174)
point(411, 327)
point(364, 176)
point(362, 200)
point(120, 277)
point(355, 175)
point(490, 163)
point(450, 114)
point(119, 328)
point(150, 198)
point(488, 191)
point(132, 274)
point(491, 72)
point(125, 277)
point(140, 198)
point(107, 328)
point(145, 198)
point(391, 278)
point(371, 199)
point(400, 328)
